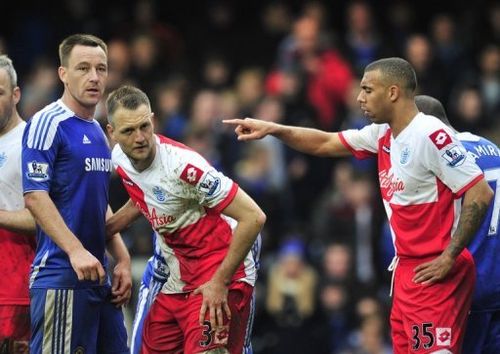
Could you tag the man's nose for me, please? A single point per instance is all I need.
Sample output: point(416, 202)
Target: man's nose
point(93, 74)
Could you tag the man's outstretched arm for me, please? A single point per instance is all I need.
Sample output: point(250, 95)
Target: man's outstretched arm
point(307, 140)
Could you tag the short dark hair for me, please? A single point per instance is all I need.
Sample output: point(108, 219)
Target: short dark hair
point(396, 70)
point(433, 107)
point(70, 42)
point(128, 97)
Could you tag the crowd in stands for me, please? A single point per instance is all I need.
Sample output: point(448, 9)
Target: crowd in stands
point(326, 246)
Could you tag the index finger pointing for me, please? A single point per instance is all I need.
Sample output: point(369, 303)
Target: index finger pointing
point(232, 121)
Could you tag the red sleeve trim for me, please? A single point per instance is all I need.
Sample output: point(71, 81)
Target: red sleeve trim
point(359, 154)
point(229, 198)
point(469, 185)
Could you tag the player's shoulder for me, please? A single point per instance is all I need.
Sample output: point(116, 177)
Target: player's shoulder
point(431, 130)
point(177, 153)
point(44, 124)
point(51, 111)
point(425, 124)
point(473, 138)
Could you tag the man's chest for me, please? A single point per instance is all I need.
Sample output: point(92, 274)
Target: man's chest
point(403, 177)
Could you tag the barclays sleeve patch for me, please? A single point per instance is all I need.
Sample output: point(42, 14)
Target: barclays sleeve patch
point(454, 156)
point(37, 171)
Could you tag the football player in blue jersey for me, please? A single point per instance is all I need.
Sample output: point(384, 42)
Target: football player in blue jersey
point(483, 328)
point(66, 169)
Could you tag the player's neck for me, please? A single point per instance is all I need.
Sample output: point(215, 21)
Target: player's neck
point(13, 121)
point(83, 112)
point(402, 118)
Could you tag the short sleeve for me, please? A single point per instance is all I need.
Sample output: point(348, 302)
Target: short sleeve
point(210, 187)
point(363, 143)
point(446, 157)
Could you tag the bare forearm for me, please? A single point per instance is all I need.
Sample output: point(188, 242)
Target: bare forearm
point(473, 211)
point(115, 244)
point(47, 216)
point(18, 221)
point(244, 237)
point(470, 220)
point(310, 141)
point(122, 218)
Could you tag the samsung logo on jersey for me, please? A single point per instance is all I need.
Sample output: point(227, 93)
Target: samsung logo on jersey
point(97, 164)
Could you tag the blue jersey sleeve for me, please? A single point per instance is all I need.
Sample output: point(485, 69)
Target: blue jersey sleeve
point(37, 160)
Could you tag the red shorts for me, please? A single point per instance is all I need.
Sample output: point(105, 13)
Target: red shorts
point(15, 329)
point(172, 326)
point(428, 318)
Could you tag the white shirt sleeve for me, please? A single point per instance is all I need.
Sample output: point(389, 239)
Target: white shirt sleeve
point(445, 156)
point(207, 185)
point(363, 142)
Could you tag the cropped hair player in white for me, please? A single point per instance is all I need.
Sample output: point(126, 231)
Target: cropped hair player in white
point(204, 305)
point(422, 170)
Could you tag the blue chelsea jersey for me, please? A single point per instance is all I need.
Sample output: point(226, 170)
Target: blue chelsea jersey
point(69, 158)
point(485, 246)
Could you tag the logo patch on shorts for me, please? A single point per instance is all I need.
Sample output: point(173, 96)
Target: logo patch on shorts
point(221, 335)
point(37, 171)
point(443, 336)
point(79, 350)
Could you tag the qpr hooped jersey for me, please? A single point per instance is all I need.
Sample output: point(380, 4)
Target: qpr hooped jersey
point(485, 245)
point(421, 172)
point(16, 250)
point(183, 196)
point(69, 158)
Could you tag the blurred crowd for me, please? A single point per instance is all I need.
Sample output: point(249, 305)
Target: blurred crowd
point(323, 280)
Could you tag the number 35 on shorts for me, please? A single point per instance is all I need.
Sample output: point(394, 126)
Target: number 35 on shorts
point(425, 336)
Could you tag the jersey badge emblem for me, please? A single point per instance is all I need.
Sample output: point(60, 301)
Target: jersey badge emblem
point(37, 171)
point(210, 184)
point(159, 194)
point(86, 140)
point(440, 138)
point(405, 156)
point(454, 155)
point(3, 158)
point(443, 336)
point(191, 174)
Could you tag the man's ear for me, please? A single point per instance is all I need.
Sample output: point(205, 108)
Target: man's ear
point(61, 71)
point(16, 94)
point(394, 92)
point(111, 131)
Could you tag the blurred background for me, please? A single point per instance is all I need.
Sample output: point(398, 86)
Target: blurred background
point(323, 286)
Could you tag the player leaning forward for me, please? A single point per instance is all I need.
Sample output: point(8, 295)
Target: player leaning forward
point(205, 303)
